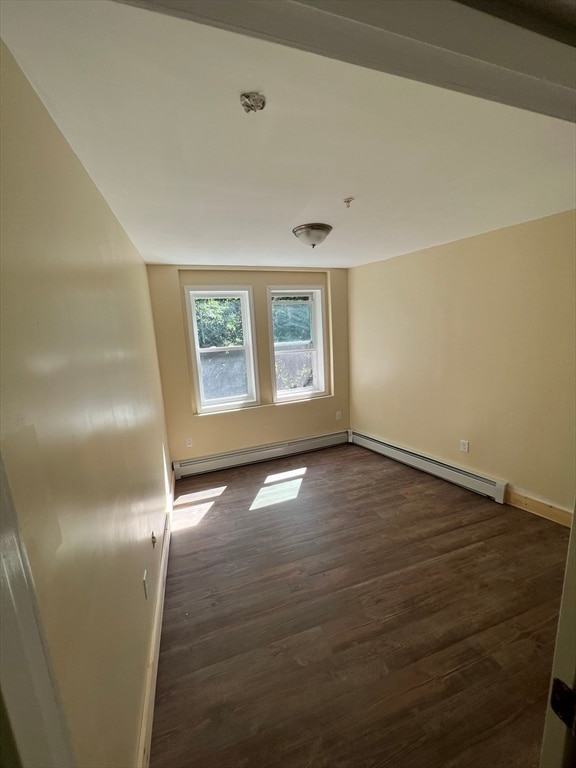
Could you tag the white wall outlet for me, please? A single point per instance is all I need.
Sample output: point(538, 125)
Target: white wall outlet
point(338, 415)
point(464, 446)
point(145, 584)
point(189, 442)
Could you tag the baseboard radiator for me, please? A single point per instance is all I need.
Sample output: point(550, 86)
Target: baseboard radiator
point(486, 486)
point(253, 455)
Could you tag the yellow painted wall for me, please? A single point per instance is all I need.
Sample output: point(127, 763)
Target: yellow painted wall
point(247, 427)
point(474, 340)
point(82, 430)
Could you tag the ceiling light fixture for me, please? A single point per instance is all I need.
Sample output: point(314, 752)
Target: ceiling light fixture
point(312, 234)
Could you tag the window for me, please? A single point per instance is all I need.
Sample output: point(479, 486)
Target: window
point(298, 342)
point(222, 348)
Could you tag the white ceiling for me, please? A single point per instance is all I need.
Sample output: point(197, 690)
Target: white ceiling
point(150, 104)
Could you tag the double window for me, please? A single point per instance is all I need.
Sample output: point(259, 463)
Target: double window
point(223, 345)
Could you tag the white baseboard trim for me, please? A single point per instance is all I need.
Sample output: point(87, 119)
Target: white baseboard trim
point(253, 455)
point(486, 486)
point(145, 739)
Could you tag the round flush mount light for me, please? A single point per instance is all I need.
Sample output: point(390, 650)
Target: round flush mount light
point(312, 234)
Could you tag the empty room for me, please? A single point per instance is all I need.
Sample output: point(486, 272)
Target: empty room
point(288, 425)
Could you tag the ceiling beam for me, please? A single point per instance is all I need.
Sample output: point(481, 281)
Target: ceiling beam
point(553, 18)
point(443, 43)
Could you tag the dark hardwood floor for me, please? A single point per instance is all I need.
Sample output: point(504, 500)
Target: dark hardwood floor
point(381, 617)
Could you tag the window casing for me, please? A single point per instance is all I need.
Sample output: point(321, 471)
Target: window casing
point(297, 343)
point(222, 348)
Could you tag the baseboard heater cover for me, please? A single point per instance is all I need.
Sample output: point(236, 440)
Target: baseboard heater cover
point(486, 486)
point(253, 455)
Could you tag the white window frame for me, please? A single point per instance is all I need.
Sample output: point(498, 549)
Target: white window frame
point(319, 336)
point(244, 293)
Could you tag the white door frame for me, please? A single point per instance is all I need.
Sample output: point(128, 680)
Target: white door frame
point(27, 681)
point(556, 745)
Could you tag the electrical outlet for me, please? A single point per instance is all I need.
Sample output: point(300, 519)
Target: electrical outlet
point(189, 442)
point(464, 446)
point(338, 415)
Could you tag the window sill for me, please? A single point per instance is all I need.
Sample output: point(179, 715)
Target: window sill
point(298, 397)
point(237, 409)
point(227, 408)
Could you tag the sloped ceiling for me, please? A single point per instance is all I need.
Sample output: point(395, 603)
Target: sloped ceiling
point(150, 104)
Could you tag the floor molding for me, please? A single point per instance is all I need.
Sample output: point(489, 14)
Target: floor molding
point(537, 507)
point(143, 758)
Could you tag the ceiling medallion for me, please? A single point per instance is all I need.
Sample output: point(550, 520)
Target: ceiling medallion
point(312, 234)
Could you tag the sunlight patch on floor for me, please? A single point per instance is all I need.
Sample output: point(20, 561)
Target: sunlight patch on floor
point(191, 498)
point(276, 494)
point(285, 475)
point(189, 516)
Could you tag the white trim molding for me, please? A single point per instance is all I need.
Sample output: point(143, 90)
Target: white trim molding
point(145, 739)
point(29, 687)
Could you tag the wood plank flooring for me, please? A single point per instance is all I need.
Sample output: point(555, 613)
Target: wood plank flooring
point(380, 618)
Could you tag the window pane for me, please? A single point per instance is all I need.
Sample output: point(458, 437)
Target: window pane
point(224, 374)
point(219, 322)
point(292, 320)
point(294, 370)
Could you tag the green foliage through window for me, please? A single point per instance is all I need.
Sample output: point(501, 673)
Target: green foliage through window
point(223, 345)
point(292, 319)
point(293, 328)
point(219, 322)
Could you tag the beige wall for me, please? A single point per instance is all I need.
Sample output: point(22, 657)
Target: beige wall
point(474, 340)
point(82, 430)
point(247, 427)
